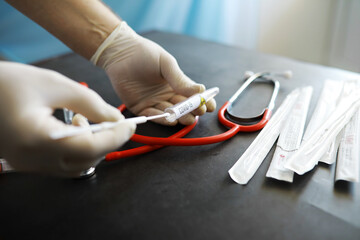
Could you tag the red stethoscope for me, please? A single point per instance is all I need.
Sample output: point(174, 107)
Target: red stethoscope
point(234, 123)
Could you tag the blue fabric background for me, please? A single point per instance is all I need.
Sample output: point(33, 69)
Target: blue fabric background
point(24, 41)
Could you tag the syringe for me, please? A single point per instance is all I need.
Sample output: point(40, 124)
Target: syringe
point(171, 114)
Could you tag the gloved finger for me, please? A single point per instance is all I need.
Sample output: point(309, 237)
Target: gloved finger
point(67, 165)
point(82, 100)
point(97, 144)
point(171, 72)
point(187, 119)
point(80, 120)
point(86, 150)
point(82, 151)
point(211, 105)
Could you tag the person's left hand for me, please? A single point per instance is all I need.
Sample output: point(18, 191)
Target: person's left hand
point(28, 97)
point(145, 76)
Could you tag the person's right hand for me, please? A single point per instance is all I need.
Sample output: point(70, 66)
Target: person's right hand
point(146, 77)
point(28, 97)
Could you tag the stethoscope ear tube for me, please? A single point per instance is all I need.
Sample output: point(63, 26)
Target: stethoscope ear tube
point(257, 122)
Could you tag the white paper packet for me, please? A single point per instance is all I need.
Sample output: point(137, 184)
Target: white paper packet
point(330, 155)
point(347, 164)
point(290, 137)
point(316, 146)
point(5, 166)
point(325, 106)
point(246, 166)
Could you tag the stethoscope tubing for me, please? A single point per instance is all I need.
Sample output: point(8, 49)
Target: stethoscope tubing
point(147, 148)
point(153, 143)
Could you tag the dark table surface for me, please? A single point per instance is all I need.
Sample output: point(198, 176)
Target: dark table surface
point(186, 192)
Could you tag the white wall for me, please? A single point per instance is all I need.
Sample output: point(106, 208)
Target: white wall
point(345, 40)
point(240, 22)
point(299, 29)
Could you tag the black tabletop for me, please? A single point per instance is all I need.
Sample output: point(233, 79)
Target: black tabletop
point(186, 192)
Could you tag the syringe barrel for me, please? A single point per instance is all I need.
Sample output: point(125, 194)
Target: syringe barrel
point(189, 105)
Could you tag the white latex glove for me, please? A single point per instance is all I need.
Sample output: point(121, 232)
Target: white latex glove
point(145, 76)
point(28, 96)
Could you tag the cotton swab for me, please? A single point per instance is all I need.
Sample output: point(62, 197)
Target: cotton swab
point(73, 130)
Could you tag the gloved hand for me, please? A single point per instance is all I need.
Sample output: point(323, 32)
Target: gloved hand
point(28, 96)
point(145, 76)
